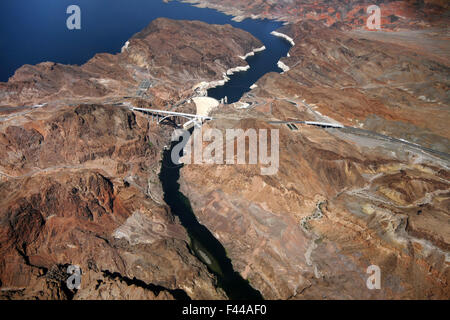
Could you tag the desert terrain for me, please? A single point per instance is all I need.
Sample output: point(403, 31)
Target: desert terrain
point(79, 169)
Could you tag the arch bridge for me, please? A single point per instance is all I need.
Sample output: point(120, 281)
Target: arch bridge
point(176, 119)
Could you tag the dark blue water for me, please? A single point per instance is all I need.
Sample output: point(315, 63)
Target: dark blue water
point(33, 31)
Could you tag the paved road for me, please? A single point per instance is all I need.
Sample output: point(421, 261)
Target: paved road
point(370, 134)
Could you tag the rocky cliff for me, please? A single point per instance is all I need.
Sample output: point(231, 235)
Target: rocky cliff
point(175, 55)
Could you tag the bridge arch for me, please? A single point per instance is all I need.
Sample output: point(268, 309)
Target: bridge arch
point(173, 117)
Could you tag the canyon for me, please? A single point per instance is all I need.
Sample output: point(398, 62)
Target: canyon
point(80, 172)
point(79, 181)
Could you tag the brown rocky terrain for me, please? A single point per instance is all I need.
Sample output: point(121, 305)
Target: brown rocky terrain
point(378, 81)
point(379, 205)
point(346, 13)
point(84, 194)
point(175, 55)
point(79, 176)
point(79, 182)
point(342, 200)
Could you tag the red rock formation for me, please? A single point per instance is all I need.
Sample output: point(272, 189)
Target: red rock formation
point(79, 183)
point(342, 200)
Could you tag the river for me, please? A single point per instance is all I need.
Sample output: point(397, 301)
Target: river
point(34, 31)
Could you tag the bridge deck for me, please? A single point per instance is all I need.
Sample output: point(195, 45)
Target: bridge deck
point(172, 113)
